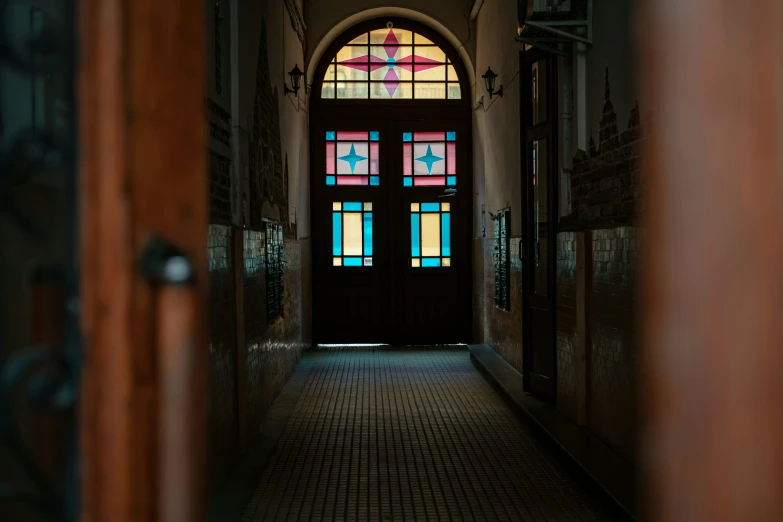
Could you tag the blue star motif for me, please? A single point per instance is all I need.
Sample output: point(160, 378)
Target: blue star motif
point(429, 159)
point(352, 158)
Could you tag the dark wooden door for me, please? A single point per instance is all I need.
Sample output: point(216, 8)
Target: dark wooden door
point(351, 239)
point(431, 232)
point(392, 252)
point(539, 111)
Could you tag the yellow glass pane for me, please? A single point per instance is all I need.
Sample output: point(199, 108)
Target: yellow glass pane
point(452, 74)
point(415, 262)
point(337, 206)
point(414, 207)
point(329, 76)
point(420, 40)
point(393, 90)
point(380, 74)
point(431, 53)
point(359, 40)
point(338, 261)
point(445, 207)
point(352, 90)
point(430, 91)
point(347, 53)
point(350, 74)
point(403, 37)
point(430, 235)
point(352, 234)
point(446, 261)
point(368, 206)
point(431, 75)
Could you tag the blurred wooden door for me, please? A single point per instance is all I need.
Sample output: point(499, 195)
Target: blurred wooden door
point(143, 227)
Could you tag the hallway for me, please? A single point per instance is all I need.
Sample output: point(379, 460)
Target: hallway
point(410, 434)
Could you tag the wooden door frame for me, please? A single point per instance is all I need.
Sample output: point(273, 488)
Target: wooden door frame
point(325, 110)
point(141, 112)
point(526, 58)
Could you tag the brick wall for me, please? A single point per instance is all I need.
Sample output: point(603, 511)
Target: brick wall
point(606, 200)
point(273, 349)
point(501, 329)
point(606, 182)
point(613, 368)
point(222, 352)
point(219, 188)
point(566, 339)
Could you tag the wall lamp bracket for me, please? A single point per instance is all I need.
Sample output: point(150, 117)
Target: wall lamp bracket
point(296, 81)
point(489, 82)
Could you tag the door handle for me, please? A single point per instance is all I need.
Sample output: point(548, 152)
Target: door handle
point(180, 380)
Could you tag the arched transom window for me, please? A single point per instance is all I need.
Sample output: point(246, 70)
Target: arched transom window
point(391, 64)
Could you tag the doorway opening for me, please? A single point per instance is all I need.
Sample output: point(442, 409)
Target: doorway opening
point(391, 180)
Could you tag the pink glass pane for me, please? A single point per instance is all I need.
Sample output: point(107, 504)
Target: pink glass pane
point(427, 181)
point(352, 136)
point(407, 159)
point(330, 158)
point(374, 158)
point(352, 180)
point(428, 136)
point(451, 160)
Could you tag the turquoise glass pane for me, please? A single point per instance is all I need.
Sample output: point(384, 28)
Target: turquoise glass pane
point(407, 181)
point(330, 136)
point(330, 180)
point(430, 207)
point(368, 233)
point(451, 180)
point(451, 136)
point(430, 261)
point(375, 181)
point(374, 136)
point(352, 206)
point(337, 233)
point(352, 261)
point(415, 242)
point(407, 136)
point(445, 234)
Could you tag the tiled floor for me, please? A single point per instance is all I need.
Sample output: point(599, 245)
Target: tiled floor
point(410, 434)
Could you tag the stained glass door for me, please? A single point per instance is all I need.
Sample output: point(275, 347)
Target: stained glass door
point(351, 238)
point(432, 211)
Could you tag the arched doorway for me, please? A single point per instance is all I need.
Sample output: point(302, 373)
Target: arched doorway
point(391, 182)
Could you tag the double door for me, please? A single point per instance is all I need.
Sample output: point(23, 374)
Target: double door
point(391, 231)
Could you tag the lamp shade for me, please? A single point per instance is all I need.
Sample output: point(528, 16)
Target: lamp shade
point(489, 80)
point(296, 77)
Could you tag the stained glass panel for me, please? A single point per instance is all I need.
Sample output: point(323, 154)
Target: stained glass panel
point(391, 64)
point(430, 234)
point(430, 160)
point(352, 234)
point(352, 158)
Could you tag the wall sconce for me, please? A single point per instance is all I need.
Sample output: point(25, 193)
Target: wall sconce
point(489, 83)
point(296, 78)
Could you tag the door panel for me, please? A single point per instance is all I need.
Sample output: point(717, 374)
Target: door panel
point(433, 238)
point(539, 192)
point(351, 240)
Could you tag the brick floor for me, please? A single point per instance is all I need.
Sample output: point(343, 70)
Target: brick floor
point(410, 434)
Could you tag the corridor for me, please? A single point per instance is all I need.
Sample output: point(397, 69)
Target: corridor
point(410, 434)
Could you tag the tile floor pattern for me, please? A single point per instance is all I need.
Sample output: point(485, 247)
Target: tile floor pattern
point(410, 434)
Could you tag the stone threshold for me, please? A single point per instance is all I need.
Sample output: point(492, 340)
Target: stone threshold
point(610, 474)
